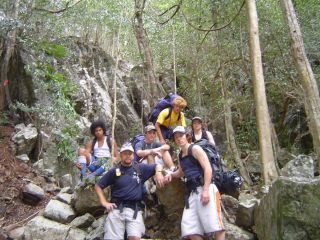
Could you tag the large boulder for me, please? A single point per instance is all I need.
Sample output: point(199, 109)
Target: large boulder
point(24, 139)
point(43, 228)
point(32, 194)
point(301, 166)
point(59, 211)
point(233, 232)
point(230, 205)
point(83, 221)
point(245, 211)
point(290, 210)
point(85, 200)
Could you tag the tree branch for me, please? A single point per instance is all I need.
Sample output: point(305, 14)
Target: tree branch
point(59, 10)
point(177, 6)
point(215, 29)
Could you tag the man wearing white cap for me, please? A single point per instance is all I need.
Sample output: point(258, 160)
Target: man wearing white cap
point(202, 213)
point(152, 150)
point(126, 181)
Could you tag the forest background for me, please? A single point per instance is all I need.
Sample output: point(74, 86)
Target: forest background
point(204, 45)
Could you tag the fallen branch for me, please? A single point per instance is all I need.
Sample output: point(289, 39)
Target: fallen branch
point(19, 224)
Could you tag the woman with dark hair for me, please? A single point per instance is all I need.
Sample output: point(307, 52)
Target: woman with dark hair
point(96, 156)
point(198, 131)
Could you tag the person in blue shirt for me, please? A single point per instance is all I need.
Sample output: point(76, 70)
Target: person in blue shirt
point(126, 181)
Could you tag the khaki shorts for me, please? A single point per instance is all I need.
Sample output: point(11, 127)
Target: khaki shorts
point(117, 223)
point(203, 220)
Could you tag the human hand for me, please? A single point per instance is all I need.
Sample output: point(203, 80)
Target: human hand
point(205, 197)
point(162, 141)
point(109, 206)
point(78, 165)
point(168, 178)
point(159, 179)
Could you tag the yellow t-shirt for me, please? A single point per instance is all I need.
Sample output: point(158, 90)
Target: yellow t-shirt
point(172, 120)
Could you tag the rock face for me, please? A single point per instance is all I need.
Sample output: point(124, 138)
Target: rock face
point(83, 221)
point(32, 194)
point(247, 205)
point(59, 211)
point(233, 232)
point(290, 210)
point(24, 139)
point(42, 228)
point(66, 180)
point(301, 166)
point(85, 200)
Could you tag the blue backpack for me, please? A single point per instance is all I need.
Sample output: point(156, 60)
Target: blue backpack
point(137, 138)
point(163, 103)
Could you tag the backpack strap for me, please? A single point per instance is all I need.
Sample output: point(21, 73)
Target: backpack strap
point(170, 111)
point(94, 141)
point(204, 134)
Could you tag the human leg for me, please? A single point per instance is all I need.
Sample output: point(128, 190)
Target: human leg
point(114, 227)
point(190, 223)
point(167, 159)
point(83, 152)
point(135, 227)
point(210, 215)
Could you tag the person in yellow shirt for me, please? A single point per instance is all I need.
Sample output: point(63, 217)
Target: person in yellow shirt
point(169, 118)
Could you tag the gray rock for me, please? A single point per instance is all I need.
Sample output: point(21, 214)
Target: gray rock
point(283, 157)
point(247, 205)
point(48, 172)
point(301, 166)
point(290, 210)
point(17, 233)
point(98, 231)
point(231, 205)
point(19, 127)
point(51, 188)
point(39, 164)
point(85, 200)
point(32, 194)
point(24, 140)
point(42, 228)
point(99, 222)
point(76, 234)
point(64, 197)
point(66, 190)
point(233, 232)
point(23, 158)
point(66, 180)
point(83, 221)
point(59, 211)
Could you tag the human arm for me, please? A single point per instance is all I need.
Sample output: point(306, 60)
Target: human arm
point(159, 176)
point(203, 160)
point(176, 174)
point(155, 151)
point(109, 206)
point(161, 138)
point(210, 138)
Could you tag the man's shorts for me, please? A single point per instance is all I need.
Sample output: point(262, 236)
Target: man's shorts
point(117, 223)
point(200, 219)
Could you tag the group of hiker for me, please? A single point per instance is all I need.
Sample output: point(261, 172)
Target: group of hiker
point(127, 171)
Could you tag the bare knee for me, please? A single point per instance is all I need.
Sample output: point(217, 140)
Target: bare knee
point(81, 152)
point(133, 238)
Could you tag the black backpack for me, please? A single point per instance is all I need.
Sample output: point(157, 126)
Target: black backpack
point(227, 182)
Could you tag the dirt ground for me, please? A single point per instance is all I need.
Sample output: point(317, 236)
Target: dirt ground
point(14, 175)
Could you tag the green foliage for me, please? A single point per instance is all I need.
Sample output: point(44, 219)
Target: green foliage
point(54, 49)
point(4, 118)
point(65, 142)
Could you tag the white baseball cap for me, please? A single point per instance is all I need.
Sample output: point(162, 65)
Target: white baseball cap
point(126, 147)
point(179, 129)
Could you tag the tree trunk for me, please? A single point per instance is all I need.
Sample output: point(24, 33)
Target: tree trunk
point(145, 52)
point(9, 44)
point(232, 145)
point(307, 79)
point(262, 112)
